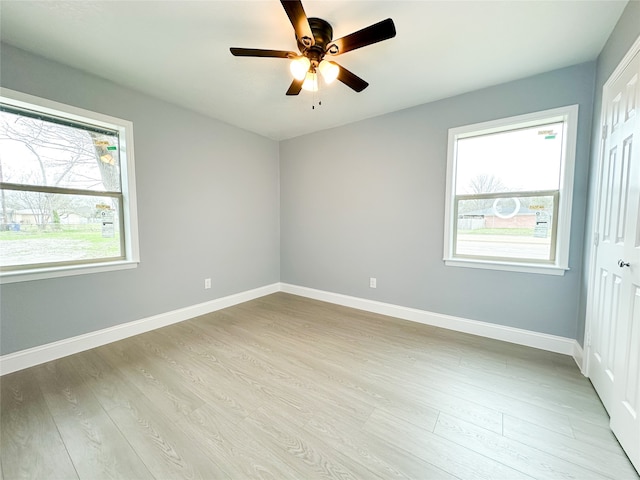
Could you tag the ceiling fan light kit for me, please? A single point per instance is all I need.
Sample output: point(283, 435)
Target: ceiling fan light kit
point(329, 70)
point(310, 83)
point(314, 37)
point(299, 67)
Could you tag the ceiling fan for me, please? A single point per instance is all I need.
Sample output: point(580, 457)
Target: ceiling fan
point(315, 40)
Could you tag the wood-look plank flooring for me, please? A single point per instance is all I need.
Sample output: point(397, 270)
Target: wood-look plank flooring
point(284, 387)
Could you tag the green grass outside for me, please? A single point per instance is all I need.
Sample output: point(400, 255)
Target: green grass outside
point(79, 232)
point(84, 238)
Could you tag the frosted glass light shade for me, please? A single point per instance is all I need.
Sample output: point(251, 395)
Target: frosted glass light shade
point(310, 82)
point(329, 71)
point(299, 67)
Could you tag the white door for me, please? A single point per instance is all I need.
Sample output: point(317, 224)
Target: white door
point(614, 345)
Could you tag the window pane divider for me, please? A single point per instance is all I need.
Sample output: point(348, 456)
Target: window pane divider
point(60, 190)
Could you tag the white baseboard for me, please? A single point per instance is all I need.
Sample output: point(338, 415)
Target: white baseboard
point(543, 341)
point(52, 351)
point(578, 356)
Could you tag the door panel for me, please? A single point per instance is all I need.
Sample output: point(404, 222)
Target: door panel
point(613, 189)
point(614, 343)
point(632, 359)
point(625, 417)
point(603, 340)
point(624, 190)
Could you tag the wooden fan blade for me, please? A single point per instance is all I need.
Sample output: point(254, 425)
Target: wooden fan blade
point(351, 80)
point(299, 20)
point(259, 52)
point(295, 87)
point(375, 33)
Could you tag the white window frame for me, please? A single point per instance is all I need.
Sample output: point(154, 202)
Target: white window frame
point(569, 115)
point(127, 174)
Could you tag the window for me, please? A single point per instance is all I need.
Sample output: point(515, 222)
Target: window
point(67, 190)
point(509, 192)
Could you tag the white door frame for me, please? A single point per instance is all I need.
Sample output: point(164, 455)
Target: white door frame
point(626, 60)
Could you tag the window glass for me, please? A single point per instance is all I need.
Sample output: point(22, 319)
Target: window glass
point(519, 160)
point(509, 192)
point(64, 198)
point(517, 227)
point(40, 152)
point(59, 228)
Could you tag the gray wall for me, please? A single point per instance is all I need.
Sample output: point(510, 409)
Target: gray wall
point(367, 200)
point(208, 206)
point(363, 200)
point(622, 38)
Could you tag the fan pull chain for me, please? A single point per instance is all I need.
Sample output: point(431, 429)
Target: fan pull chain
point(313, 98)
point(313, 101)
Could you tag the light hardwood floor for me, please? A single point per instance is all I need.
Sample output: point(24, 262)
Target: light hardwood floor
point(285, 387)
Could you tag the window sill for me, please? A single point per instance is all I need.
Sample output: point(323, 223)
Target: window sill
point(508, 266)
point(53, 272)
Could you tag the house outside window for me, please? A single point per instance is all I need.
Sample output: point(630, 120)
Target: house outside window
point(67, 190)
point(509, 192)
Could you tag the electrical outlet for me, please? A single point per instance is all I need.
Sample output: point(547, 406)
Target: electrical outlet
point(373, 283)
point(207, 283)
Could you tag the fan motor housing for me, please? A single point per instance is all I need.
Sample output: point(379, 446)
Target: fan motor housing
point(322, 34)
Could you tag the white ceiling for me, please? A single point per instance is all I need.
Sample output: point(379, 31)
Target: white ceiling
point(179, 51)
